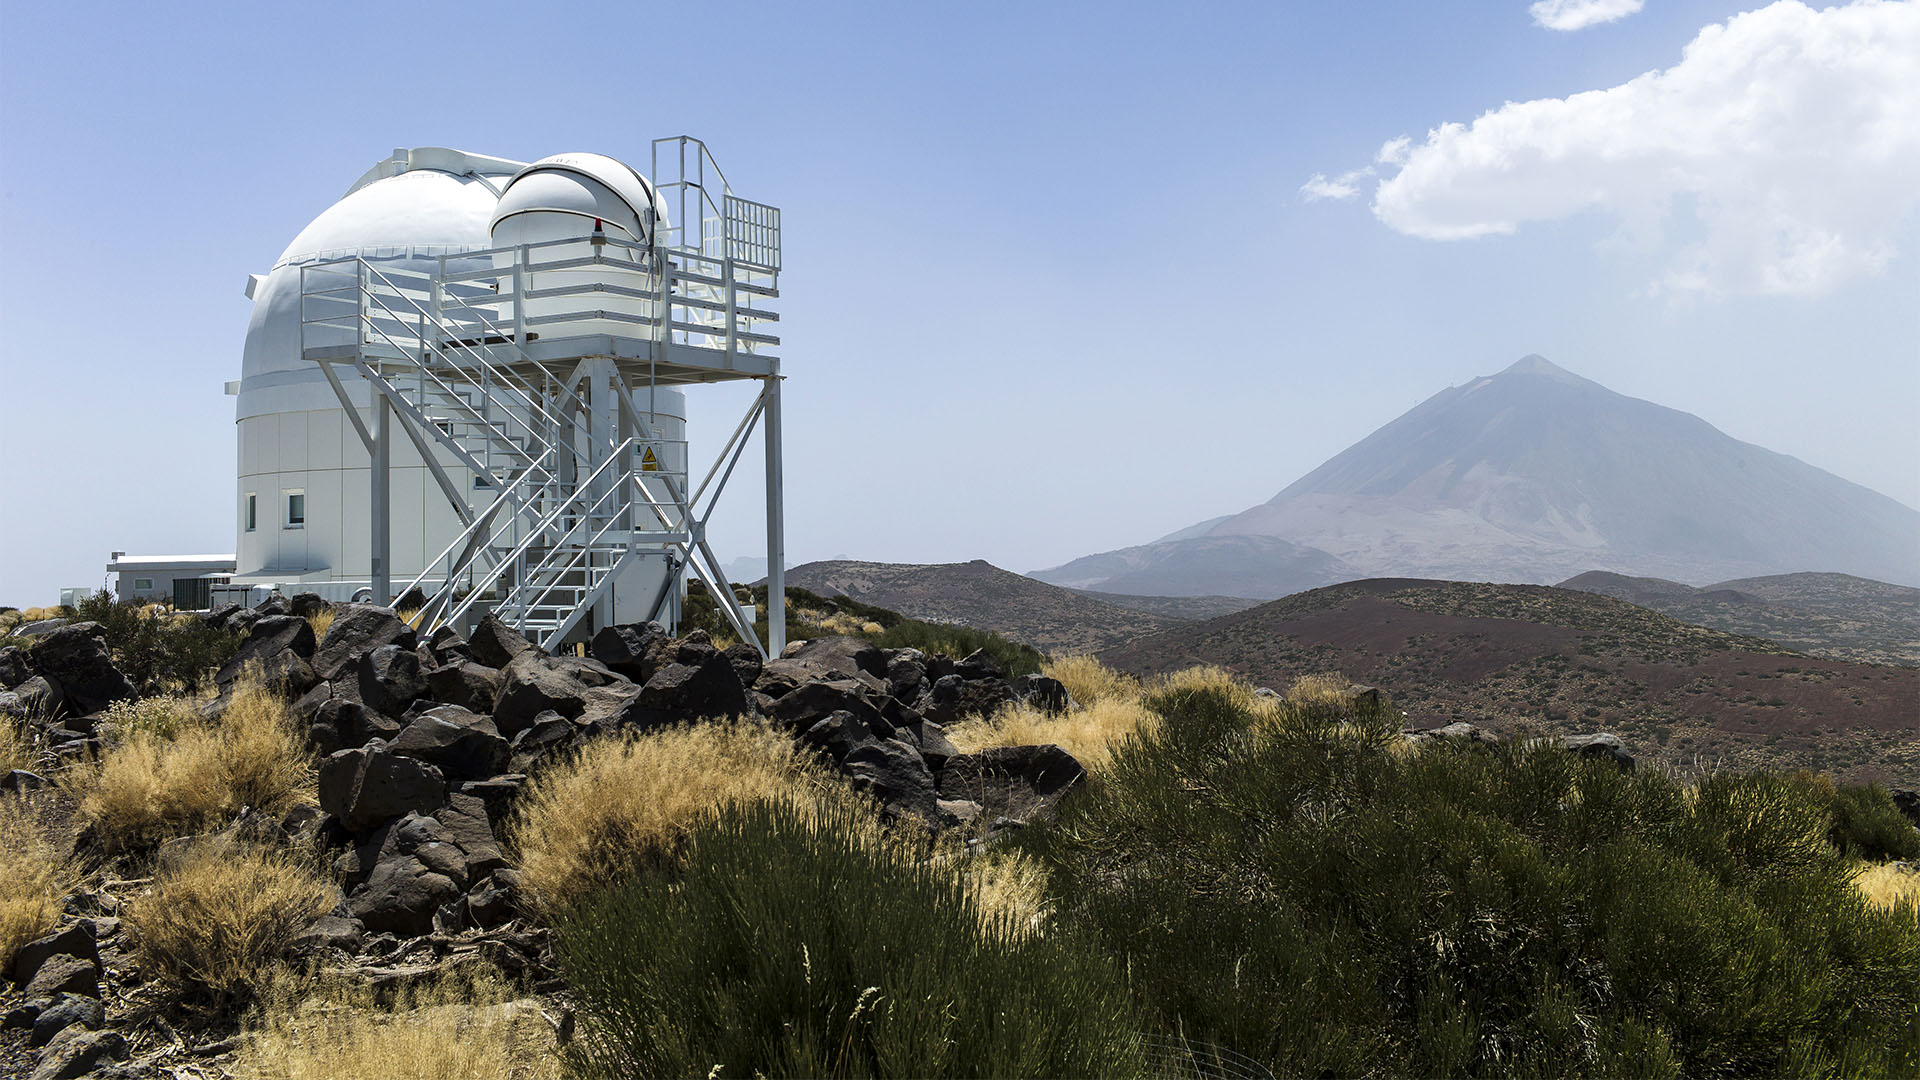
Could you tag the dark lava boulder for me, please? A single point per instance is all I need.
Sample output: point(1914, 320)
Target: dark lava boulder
point(463, 745)
point(534, 683)
point(1012, 781)
point(75, 657)
point(369, 785)
point(495, 644)
point(268, 638)
point(357, 630)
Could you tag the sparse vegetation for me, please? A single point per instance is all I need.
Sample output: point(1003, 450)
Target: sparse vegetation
point(468, 1026)
point(321, 621)
point(812, 616)
point(158, 651)
point(802, 944)
point(221, 919)
point(1288, 887)
point(35, 874)
point(625, 805)
point(153, 785)
point(165, 717)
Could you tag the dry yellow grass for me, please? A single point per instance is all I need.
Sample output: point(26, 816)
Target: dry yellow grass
point(223, 918)
point(1089, 680)
point(321, 621)
point(1111, 711)
point(165, 716)
point(840, 622)
point(150, 786)
point(1888, 886)
point(1011, 886)
point(1207, 678)
point(626, 804)
point(35, 875)
point(15, 752)
point(1090, 733)
point(468, 1028)
point(1330, 689)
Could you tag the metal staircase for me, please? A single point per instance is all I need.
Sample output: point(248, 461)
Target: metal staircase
point(511, 371)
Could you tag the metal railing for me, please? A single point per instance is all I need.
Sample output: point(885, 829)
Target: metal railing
point(466, 354)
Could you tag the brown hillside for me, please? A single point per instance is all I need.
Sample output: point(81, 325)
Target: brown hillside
point(983, 596)
point(1520, 657)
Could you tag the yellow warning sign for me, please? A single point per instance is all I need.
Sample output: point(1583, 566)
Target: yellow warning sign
point(649, 463)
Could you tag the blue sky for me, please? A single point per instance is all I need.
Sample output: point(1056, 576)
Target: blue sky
point(1053, 283)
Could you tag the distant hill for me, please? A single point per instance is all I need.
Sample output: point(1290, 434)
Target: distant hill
point(1525, 657)
point(1263, 567)
point(981, 595)
point(1531, 475)
point(1832, 615)
point(1175, 608)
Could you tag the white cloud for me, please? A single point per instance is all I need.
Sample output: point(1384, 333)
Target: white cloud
point(1394, 151)
point(1344, 186)
point(1792, 135)
point(1580, 14)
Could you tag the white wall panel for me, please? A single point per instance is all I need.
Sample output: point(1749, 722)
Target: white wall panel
point(323, 439)
point(324, 519)
point(293, 441)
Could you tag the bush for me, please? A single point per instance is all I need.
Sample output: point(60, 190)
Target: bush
point(165, 716)
point(800, 944)
point(1866, 823)
point(153, 786)
point(1285, 884)
point(461, 1027)
point(623, 806)
point(961, 641)
point(220, 920)
point(157, 651)
point(35, 875)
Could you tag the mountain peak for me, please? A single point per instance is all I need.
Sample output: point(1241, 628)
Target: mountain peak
point(1535, 364)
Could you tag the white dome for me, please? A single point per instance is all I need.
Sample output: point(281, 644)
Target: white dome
point(418, 205)
point(420, 209)
point(583, 186)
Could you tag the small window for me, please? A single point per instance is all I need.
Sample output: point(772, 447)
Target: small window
point(143, 584)
point(253, 511)
point(296, 509)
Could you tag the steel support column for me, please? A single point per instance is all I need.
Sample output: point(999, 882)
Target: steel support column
point(776, 521)
point(382, 501)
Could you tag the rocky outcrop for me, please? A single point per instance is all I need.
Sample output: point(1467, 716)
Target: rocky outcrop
point(75, 658)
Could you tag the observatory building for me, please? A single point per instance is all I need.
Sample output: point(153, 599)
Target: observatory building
point(469, 376)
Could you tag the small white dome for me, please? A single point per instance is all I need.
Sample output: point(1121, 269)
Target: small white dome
point(586, 186)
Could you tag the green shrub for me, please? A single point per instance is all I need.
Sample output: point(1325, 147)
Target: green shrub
point(806, 945)
point(960, 641)
point(1302, 890)
point(158, 651)
point(1866, 823)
